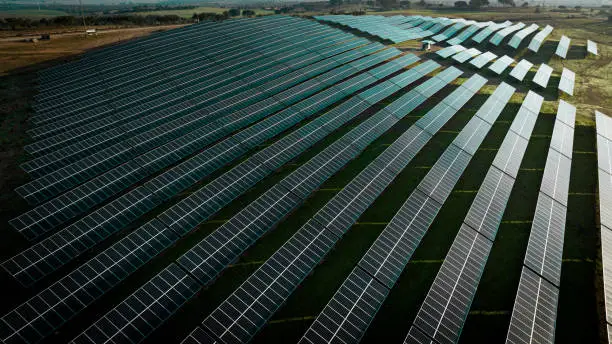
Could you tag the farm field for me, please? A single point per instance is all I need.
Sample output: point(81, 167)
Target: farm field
point(580, 315)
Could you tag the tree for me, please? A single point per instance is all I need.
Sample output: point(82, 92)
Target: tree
point(538, 10)
point(422, 3)
point(247, 13)
point(461, 4)
point(234, 12)
point(405, 4)
point(507, 2)
point(525, 4)
point(478, 3)
point(388, 3)
point(335, 2)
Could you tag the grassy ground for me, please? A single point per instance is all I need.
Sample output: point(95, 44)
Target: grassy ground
point(578, 316)
point(15, 55)
point(187, 13)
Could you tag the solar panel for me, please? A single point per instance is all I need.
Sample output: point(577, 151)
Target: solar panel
point(516, 40)
point(143, 311)
point(389, 254)
point(539, 38)
point(311, 242)
point(545, 247)
point(500, 35)
point(562, 139)
point(199, 336)
point(555, 181)
point(467, 33)
point(526, 120)
point(501, 64)
point(444, 310)
point(486, 32)
point(591, 47)
point(543, 75)
point(534, 310)
point(183, 212)
point(606, 258)
point(449, 51)
point(346, 111)
point(566, 83)
point(563, 47)
point(483, 59)
point(521, 69)
point(448, 301)
point(466, 55)
point(348, 314)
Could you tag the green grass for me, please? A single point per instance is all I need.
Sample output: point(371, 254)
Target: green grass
point(31, 13)
point(187, 13)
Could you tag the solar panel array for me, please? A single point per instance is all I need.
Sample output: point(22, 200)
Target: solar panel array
point(567, 81)
point(467, 33)
point(481, 60)
point(535, 307)
point(466, 55)
point(539, 38)
point(591, 47)
point(604, 164)
point(563, 47)
point(521, 69)
point(445, 308)
point(450, 51)
point(503, 33)
point(267, 288)
point(41, 258)
point(489, 30)
point(542, 76)
point(280, 111)
point(343, 317)
point(500, 65)
point(373, 25)
point(518, 37)
point(452, 30)
point(157, 235)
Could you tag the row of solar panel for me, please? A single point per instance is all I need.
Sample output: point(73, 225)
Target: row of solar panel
point(604, 164)
point(189, 118)
point(239, 72)
point(368, 131)
point(28, 266)
point(165, 47)
point(128, 254)
point(83, 97)
point(445, 308)
point(535, 307)
point(461, 54)
point(389, 254)
point(68, 205)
